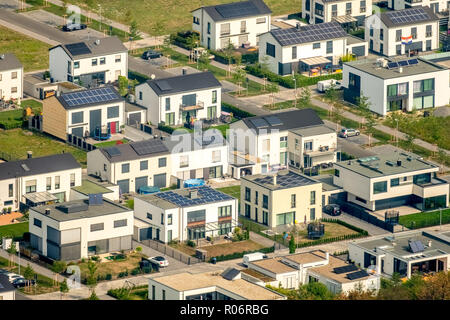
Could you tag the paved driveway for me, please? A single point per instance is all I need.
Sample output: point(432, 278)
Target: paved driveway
point(173, 263)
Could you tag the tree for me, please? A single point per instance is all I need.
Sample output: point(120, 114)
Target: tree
point(158, 28)
point(410, 141)
point(93, 296)
point(204, 60)
point(28, 273)
point(91, 279)
point(435, 287)
point(337, 115)
point(123, 85)
point(63, 288)
point(59, 266)
point(358, 293)
point(305, 97)
point(239, 74)
point(370, 121)
point(315, 291)
point(12, 252)
point(272, 88)
point(134, 32)
point(229, 53)
point(331, 93)
point(191, 43)
point(292, 245)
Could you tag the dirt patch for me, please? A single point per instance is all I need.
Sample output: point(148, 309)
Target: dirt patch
point(232, 247)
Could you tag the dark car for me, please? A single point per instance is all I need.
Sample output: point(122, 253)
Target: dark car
point(74, 26)
point(150, 54)
point(332, 209)
point(22, 282)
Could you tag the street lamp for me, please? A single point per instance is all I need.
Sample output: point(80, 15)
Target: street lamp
point(295, 88)
point(440, 219)
point(396, 133)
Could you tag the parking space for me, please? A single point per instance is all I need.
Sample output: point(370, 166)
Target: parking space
point(173, 263)
point(161, 62)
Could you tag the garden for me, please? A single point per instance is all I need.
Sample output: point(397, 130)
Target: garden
point(15, 231)
point(12, 119)
point(425, 219)
point(130, 293)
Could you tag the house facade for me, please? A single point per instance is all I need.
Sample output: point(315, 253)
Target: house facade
point(389, 86)
point(281, 200)
point(237, 23)
point(181, 99)
point(85, 113)
point(294, 50)
point(184, 214)
point(387, 181)
point(89, 63)
point(132, 166)
point(81, 228)
point(11, 77)
point(435, 5)
point(320, 11)
point(384, 31)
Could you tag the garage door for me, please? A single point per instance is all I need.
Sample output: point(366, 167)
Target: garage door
point(159, 180)
point(359, 51)
point(134, 119)
point(140, 182)
point(124, 185)
point(78, 132)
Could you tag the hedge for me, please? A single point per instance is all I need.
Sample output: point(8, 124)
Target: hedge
point(165, 128)
point(287, 81)
point(247, 58)
point(238, 255)
point(11, 125)
point(237, 113)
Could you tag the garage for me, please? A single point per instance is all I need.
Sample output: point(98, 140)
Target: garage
point(134, 119)
point(159, 180)
point(124, 186)
point(141, 182)
point(359, 51)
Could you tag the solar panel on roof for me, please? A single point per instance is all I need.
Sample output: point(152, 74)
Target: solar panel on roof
point(163, 85)
point(89, 96)
point(259, 123)
point(112, 151)
point(403, 63)
point(273, 121)
point(79, 48)
point(408, 16)
point(392, 65)
point(148, 147)
point(416, 246)
point(237, 9)
point(357, 275)
point(310, 33)
point(230, 274)
point(345, 269)
point(413, 61)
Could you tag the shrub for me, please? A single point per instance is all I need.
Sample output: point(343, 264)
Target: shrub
point(191, 243)
point(135, 271)
point(147, 269)
point(95, 258)
point(59, 266)
point(238, 255)
point(108, 277)
point(165, 128)
point(237, 113)
point(138, 249)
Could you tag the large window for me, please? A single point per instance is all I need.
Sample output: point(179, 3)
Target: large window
point(435, 202)
point(162, 162)
point(423, 85)
point(247, 210)
point(97, 227)
point(125, 167)
point(170, 118)
point(329, 47)
point(318, 9)
point(37, 223)
point(224, 228)
point(379, 187)
point(225, 211)
point(312, 214)
point(143, 165)
point(429, 33)
point(395, 182)
point(283, 142)
point(247, 194)
point(285, 218)
point(120, 223)
point(422, 178)
point(423, 102)
point(265, 202)
point(398, 35)
point(399, 89)
point(316, 45)
point(312, 199)
point(265, 218)
point(77, 117)
point(113, 112)
point(196, 216)
point(211, 113)
point(30, 186)
point(224, 29)
point(270, 49)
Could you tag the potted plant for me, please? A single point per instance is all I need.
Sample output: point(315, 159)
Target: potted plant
point(9, 209)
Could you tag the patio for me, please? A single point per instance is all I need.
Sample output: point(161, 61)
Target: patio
point(10, 218)
point(402, 210)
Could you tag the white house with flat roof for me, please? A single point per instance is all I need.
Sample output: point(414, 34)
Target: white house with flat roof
point(396, 84)
point(403, 252)
point(437, 6)
point(184, 214)
point(417, 27)
point(346, 12)
point(90, 62)
point(392, 180)
point(80, 228)
point(304, 48)
point(238, 23)
point(36, 181)
point(11, 77)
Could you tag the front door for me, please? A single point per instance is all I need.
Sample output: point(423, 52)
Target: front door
point(140, 182)
point(112, 127)
point(95, 121)
point(124, 186)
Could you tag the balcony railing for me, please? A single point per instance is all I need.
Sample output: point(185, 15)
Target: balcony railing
point(199, 105)
point(322, 150)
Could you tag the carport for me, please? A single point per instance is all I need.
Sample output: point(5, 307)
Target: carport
point(315, 65)
point(347, 22)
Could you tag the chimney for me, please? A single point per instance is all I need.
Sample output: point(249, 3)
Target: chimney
point(429, 243)
point(399, 163)
point(47, 211)
point(193, 194)
point(29, 154)
point(275, 179)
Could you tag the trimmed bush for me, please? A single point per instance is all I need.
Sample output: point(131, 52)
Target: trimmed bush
point(238, 255)
point(108, 276)
point(237, 113)
point(165, 128)
point(191, 243)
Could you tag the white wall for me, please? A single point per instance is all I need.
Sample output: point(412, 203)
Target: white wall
point(7, 83)
point(341, 9)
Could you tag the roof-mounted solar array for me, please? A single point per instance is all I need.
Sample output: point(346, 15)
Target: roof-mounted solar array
point(309, 33)
point(402, 63)
point(273, 120)
point(285, 180)
point(237, 9)
point(97, 95)
point(345, 269)
point(357, 275)
point(77, 49)
point(163, 85)
point(408, 16)
point(148, 147)
point(112, 151)
point(416, 246)
point(205, 195)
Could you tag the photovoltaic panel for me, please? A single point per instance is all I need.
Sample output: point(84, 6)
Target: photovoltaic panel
point(149, 147)
point(357, 275)
point(97, 95)
point(416, 246)
point(413, 61)
point(205, 195)
point(112, 151)
point(309, 33)
point(392, 65)
point(163, 85)
point(237, 9)
point(408, 16)
point(273, 121)
point(77, 49)
point(403, 63)
point(345, 269)
point(259, 123)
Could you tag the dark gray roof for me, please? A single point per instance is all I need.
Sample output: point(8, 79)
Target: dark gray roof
point(190, 142)
point(289, 120)
point(89, 98)
point(127, 152)
point(240, 9)
point(285, 179)
point(9, 61)
point(5, 285)
point(34, 166)
point(410, 16)
point(93, 47)
point(309, 33)
point(184, 83)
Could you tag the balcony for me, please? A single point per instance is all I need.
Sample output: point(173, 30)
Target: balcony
point(433, 188)
point(321, 151)
point(198, 106)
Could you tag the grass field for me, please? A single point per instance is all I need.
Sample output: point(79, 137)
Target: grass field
point(109, 143)
point(17, 142)
point(147, 13)
point(332, 230)
point(33, 54)
point(13, 118)
point(15, 230)
point(424, 219)
point(234, 191)
point(221, 249)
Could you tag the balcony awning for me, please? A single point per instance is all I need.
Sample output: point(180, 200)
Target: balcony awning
point(345, 19)
point(314, 61)
point(40, 197)
point(191, 108)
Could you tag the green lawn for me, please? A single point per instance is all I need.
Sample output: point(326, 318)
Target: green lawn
point(109, 143)
point(15, 230)
point(425, 219)
point(33, 54)
point(13, 118)
point(174, 15)
point(17, 142)
point(234, 191)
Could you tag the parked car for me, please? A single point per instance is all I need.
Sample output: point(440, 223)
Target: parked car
point(159, 260)
point(346, 132)
point(74, 26)
point(323, 85)
point(332, 209)
point(151, 54)
point(253, 257)
point(22, 282)
point(13, 276)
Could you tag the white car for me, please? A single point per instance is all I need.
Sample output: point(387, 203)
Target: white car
point(13, 276)
point(159, 260)
point(324, 85)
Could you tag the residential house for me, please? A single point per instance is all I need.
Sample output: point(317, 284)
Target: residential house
point(218, 285)
point(11, 77)
point(80, 228)
point(404, 253)
point(35, 85)
point(133, 165)
point(266, 143)
point(391, 180)
point(85, 113)
point(281, 200)
point(303, 48)
point(239, 23)
point(419, 27)
point(198, 155)
point(346, 12)
point(297, 269)
point(90, 62)
point(184, 214)
point(7, 290)
point(437, 6)
point(396, 84)
point(181, 99)
point(35, 181)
